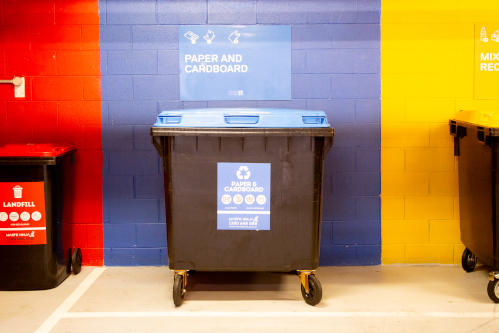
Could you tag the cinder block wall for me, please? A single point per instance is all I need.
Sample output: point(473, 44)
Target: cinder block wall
point(427, 76)
point(54, 44)
point(335, 67)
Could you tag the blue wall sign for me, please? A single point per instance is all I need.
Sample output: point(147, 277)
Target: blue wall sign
point(243, 196)
point(224, 62)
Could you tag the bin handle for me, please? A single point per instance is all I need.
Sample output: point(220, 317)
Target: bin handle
point(482, 137)
point(241, 119)
point(458, 132)
point(170, 119)
point(312, 120)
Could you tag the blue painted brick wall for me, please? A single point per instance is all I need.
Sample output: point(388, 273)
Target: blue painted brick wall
point(335, 68)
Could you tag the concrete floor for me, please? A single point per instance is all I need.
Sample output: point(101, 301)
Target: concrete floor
point(395, 298)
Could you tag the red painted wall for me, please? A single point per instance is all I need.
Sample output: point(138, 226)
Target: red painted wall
point(55, 45)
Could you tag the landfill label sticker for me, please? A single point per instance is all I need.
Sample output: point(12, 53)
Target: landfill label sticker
point(234, 62)
point(22, 213)
point(243, 196)
point(486, 61)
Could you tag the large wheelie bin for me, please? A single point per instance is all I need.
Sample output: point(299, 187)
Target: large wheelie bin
point(35, 232)
point(243, 191)
point(476, 143)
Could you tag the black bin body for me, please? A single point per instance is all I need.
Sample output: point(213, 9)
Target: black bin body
point(40, 266)
point(190, 157)
point(477, 148)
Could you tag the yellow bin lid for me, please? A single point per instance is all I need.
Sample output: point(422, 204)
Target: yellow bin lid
point(479, 118)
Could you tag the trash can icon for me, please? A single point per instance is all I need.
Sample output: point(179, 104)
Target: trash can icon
point(18, 192)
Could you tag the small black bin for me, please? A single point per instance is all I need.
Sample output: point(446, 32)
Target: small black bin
point(35, 199)
point(243, 190)
point(476, 143)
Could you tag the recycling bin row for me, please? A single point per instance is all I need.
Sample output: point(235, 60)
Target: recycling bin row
point(243, 193)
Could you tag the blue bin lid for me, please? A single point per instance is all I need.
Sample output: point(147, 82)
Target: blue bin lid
point(242, 117)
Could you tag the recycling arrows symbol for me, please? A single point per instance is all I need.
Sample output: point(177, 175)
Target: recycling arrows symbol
point(243, 172)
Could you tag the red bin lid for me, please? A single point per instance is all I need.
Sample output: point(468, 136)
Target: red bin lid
point(34, 150)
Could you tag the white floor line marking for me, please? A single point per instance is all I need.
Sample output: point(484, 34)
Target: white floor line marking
point(219, 314)
point(68, 303)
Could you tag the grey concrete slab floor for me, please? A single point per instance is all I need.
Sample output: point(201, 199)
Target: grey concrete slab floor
point(25, 311)
point(394, 298)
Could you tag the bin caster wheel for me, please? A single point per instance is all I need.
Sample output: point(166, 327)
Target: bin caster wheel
point(493, 290)
point(468, 261)
point(76, 260)
point(179, 284)
point(314, 295)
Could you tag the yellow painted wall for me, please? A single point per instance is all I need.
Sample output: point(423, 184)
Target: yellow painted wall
point(427, 63)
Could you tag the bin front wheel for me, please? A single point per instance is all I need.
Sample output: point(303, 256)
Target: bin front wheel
point(76, 260)
point(468, 261)
point(493, 290)
point(314, 294)
point(179, 285)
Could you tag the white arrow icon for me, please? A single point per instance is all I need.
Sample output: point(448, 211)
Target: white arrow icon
point(209, 37)
point(191, 36)
point(234, 37)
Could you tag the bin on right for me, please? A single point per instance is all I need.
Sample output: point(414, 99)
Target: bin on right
point(476, 145)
